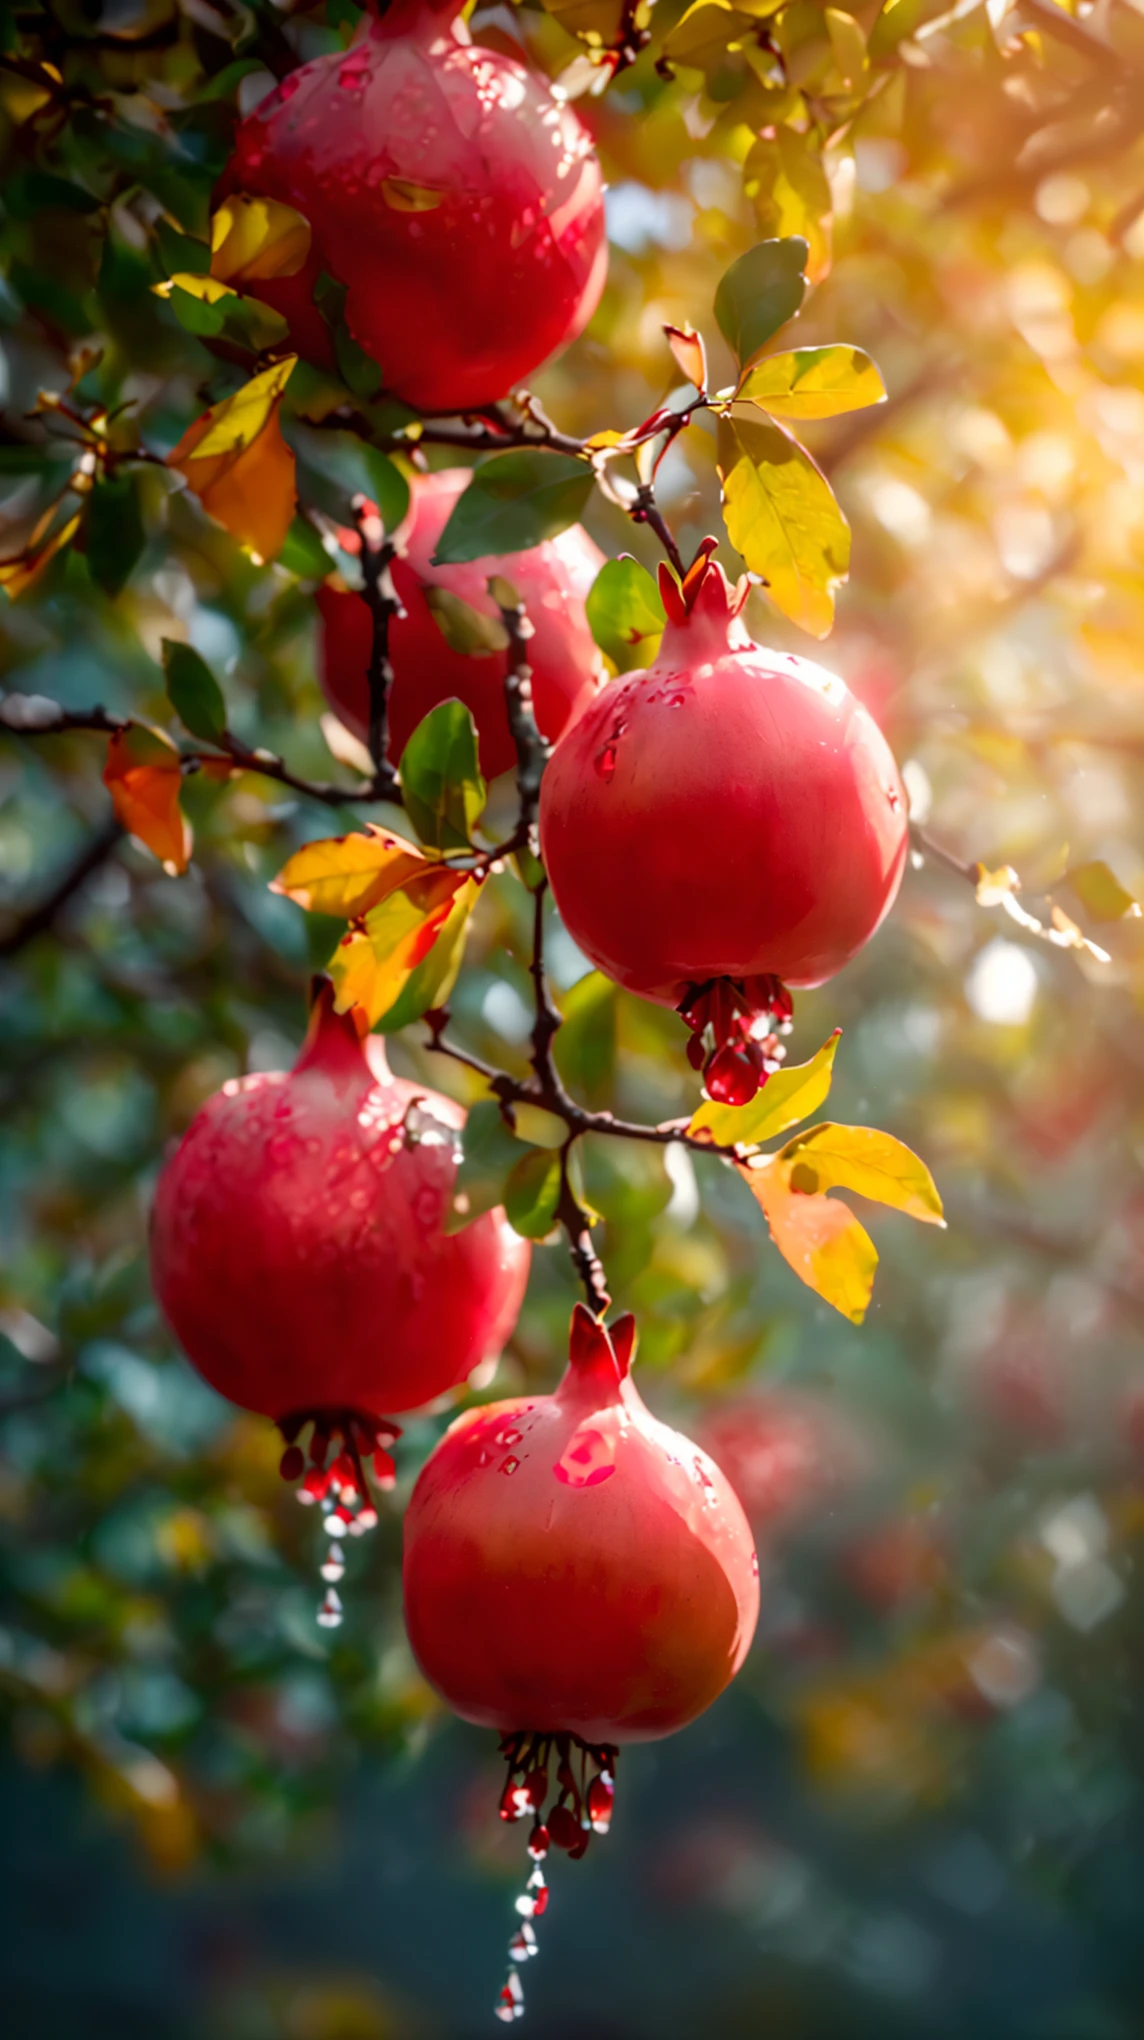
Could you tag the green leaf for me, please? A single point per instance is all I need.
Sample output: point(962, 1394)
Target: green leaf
point(781, 513)
point(784, 178)
point(334, 467)
point(898, 20)
point(532, 1193)
point(787, 1097)
point(115, 534)
point(490, 1151)
point(759, 293)
point(464, 628)
point(625, 614)
point(813, 382)
point(440, 778)
point(193, 691)
point(434, 978)
point(1100, 892)
point(585, 1048)
point(514, 501)
point(303, 552)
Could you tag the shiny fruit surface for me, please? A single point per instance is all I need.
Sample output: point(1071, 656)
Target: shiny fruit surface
point(552, 579)
point(297, 1247)
point(574, 1566)
point(454, 195)
point(729, 812)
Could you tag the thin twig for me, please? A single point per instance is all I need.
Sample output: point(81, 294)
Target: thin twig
point(384, 603)
point(37, 920)
point(532, 752)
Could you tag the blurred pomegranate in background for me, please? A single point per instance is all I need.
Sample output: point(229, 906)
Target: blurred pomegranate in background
point(788, 1455)
point(552, 579)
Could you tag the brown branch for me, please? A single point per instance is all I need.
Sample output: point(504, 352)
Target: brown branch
point(37, 920)
point(532, 751)
point(384, 603)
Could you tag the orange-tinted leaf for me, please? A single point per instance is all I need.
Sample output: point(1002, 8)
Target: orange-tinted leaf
point(238, 464)
point(144, 777)
point(820, 1239)
point(347, 875)
point(690, 354)
point(256, 238)
point(375, 960)
point(19, 574)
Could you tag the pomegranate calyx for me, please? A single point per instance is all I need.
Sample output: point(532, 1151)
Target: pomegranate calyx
point(333, 1042)
point(704, 603)
point(598, 1358)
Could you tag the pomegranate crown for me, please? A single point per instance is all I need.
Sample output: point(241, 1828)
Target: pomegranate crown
point(333, 1042)
point(704, 596)
point(599, 1356)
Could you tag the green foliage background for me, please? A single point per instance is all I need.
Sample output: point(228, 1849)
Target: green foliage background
point(922, 1805)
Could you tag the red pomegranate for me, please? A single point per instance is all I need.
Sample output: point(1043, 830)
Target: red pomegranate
point(726, 819)
point(578, 1576)
point(454, 195)
point(552, 579)
point(297, 1246)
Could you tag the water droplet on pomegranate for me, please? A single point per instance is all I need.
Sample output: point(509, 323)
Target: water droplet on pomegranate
point(509, 1465)
point(605, 762)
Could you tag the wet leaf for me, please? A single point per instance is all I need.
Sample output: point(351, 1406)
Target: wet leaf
point(789, 1095)
point(864, 1159)
point(515, 501)
point(625, 613)
point(759, 293)
point(253, 239)
point(782, 515)
point(193, 692)
point(441, 782)
point(813, 382)
point(347, 875)
point(532, 1193)
point(143, 776)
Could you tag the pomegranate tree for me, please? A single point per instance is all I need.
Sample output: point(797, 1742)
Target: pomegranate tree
point(577, 1576)
point(298, 1252)
point(552, 579)
point(725, 823)
point(457, 199)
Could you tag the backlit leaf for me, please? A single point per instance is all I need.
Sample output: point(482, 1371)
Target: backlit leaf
point(781, 513)
point(347, 875)
point(514, 501)
point(819, 1238)
point(238, 420)
point(193, 691)
point(585, 1047)
point(143, 776)
point(690, 354)
point(784, 178)
point(625, 613)
point(532, 1193)
point(813, 382)
point(759, 293)
point(238, 464)
point(789, 1095)
point(848, 44)
point(256, 238)
point(1100, 892)
point(375, 960)
point(441, 782)
point(437, 973)
point(864, 1159)
point(898, 20)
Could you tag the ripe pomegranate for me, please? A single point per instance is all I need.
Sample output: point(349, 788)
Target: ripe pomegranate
point(297, 1249)
point(724, 823)
point(446, 186)
point(553, 581)
point(578, 1576)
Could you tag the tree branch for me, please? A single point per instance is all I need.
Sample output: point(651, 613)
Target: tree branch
point(384, 603)
point(532, 752)
point(37, 920)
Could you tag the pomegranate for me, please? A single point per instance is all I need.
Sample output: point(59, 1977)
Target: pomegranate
point(298, 1254)
point(576, 1575)
point(553, 580)
point(454, 195)
point(722, 824)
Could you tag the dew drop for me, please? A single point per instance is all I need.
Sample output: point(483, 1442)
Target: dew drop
point(605, 762)
point(509, 1465)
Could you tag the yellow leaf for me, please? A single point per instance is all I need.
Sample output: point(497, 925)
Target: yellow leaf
point(820, 1239)
point(787, 1097)
point(257, 238)
point(237, 422)
point(143, 776)
point(434, 977)
point(19, 574)
point(862, 1158)
point(374, 962)
point(690, 354)
point(781, 513)
point(784, 178)
point(246, 480)
point(813, 382)
point(848, 45)
point(347, 875)
point(401, 194)
point(206, 288)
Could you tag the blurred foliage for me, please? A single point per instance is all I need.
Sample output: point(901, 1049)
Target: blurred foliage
point(949, 1497)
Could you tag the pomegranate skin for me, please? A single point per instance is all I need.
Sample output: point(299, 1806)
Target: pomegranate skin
point(728, 812)
point(553, 580)
point(296, 1241)
point(458, 200)
point(574, 1566)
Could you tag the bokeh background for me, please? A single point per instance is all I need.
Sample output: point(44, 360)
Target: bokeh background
point(922, 1806)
